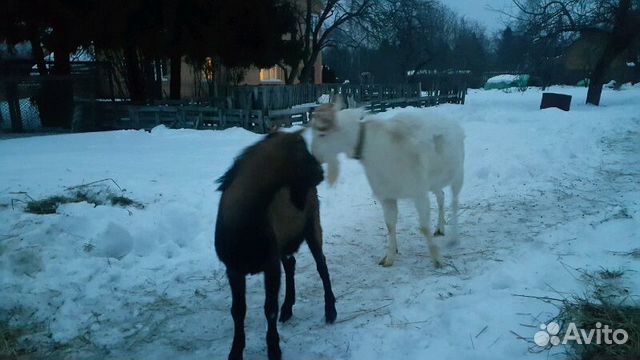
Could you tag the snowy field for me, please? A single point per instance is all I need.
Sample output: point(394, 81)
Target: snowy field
point(548, 196)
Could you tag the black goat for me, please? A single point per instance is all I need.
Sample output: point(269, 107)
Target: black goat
point(269, 205)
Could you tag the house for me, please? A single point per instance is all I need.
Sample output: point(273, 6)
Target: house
point(194, 83)
point(275, 74)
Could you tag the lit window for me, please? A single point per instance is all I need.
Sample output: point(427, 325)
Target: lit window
point(273, 74)
point(208, 69)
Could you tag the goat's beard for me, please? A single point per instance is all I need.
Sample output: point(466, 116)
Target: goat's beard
point(333, 170)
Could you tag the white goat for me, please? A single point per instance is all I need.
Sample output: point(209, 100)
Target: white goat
point(403, 157)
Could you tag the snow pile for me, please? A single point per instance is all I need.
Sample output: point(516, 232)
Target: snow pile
point(548, 194)
point(506, 81)
point(505, 78)
point(324, 99)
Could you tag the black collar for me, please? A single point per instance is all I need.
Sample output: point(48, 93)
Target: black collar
point(357, 153)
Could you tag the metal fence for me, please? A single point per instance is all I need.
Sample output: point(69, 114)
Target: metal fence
point(33, 102)
point(19, 114)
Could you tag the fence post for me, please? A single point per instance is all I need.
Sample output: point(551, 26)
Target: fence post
point(14, 106)
point(133, 116)
point(260, 122)
point(265, 98)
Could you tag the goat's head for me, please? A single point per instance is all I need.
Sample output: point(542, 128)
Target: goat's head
point(301, 171)
point(280, 159)
point(333, 133)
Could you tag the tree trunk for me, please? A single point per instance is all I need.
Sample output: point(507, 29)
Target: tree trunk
point(37, 53)
point(158, 77)
point(291, 77)
point(306, 73)
point(55, 98)
point(596, 82)
point(149, 78)
point(175, 77)
point(614, 47)
point(218, 83)
point(135, 83)
point(61, 61)
point(625, 30)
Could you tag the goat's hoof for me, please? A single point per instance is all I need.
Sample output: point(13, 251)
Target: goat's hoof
point(330, 315)
point(438, 233)
point(386, 262)
point(233, 355)
point(285, 314)
point(437, 263)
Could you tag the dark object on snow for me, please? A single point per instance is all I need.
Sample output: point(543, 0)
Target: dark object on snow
point(560, 101)
point(269, 206)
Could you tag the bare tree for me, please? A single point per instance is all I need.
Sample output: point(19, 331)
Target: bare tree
point(617, 22)
point(317, 21)
point(399, 39)
point(415, 34)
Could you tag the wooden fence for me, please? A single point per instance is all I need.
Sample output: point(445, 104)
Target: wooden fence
point(286, 96)
point(260, 108)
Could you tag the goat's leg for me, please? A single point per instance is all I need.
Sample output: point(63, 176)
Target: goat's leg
point(272, 288)
point(454, 221)
point(423, 207)
point(441, 221)
point(315, 245)
point(390, 210)
point(289, 265)
point(238, 311)
point(456, 186)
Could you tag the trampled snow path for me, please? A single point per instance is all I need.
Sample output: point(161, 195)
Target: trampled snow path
point(546, 192)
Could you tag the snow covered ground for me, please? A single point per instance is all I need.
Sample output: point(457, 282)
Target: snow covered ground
point(548, 194)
